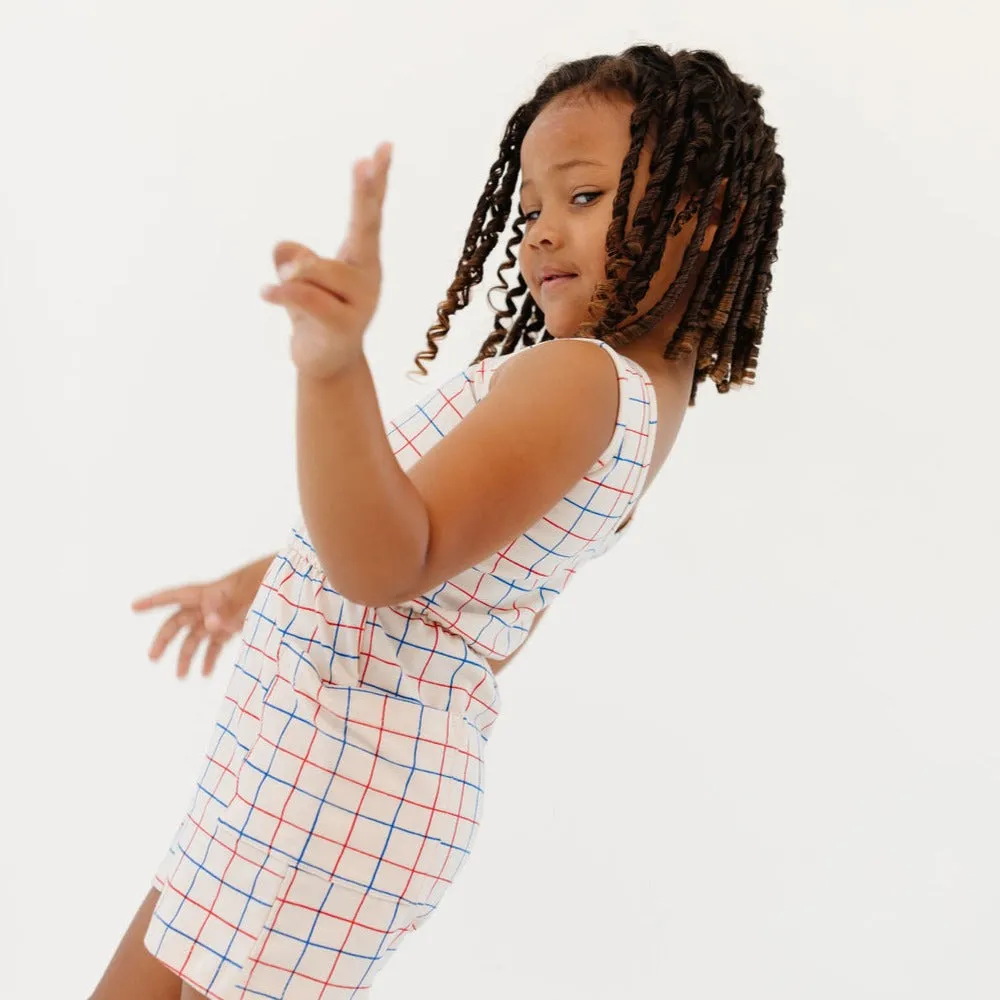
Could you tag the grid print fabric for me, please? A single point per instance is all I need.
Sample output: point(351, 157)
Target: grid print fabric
point(383, 649)
point(492, 605)
point(328, 822)
point(342, 787)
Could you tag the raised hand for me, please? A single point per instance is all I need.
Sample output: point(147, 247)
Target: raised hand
point(332, 301)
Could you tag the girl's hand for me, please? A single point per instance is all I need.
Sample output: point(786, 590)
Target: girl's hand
point(209, 611)
point(331, 302)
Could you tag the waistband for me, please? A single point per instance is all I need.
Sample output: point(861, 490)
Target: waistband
point(437, 720)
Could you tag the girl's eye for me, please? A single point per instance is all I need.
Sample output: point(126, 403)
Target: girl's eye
point(579, 194)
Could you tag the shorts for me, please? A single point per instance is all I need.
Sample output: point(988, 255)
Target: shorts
point(328, 822)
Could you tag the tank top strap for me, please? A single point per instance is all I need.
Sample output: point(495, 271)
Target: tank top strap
point(635, 432)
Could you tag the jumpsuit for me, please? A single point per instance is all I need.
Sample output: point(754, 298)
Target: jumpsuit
point(342, 787)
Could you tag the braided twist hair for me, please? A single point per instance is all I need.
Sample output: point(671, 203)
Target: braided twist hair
point(709, 136)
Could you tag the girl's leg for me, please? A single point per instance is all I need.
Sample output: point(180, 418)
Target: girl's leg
point(133, 972)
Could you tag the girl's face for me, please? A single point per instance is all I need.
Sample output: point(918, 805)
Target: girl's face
point(571, 159)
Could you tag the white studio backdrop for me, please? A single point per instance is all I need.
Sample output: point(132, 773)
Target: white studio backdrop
point(778, 773)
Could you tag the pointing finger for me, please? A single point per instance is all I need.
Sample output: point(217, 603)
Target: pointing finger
point(361, 246)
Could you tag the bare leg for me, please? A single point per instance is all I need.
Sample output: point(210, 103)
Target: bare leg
point(133, 972)
point(189, 993)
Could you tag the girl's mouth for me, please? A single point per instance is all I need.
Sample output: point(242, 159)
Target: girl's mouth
point(557, 281)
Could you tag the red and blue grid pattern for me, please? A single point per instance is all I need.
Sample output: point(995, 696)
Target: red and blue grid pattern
point(492, 605)
point(327, 823)
point(342, 788)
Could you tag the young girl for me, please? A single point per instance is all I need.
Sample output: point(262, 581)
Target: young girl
point(342, 788)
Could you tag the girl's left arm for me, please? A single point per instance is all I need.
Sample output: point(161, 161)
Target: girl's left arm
point(365, 517)
point(382, 535)
point(385, 535)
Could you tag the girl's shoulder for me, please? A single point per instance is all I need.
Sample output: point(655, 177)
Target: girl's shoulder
point(487, 373)
point(555, 451)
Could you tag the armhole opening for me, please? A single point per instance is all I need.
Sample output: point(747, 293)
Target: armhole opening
point(607, 457)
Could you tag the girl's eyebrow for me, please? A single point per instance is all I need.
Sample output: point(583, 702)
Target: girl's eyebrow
point(565, 166)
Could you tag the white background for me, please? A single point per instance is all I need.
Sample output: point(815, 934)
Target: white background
point(755, 753)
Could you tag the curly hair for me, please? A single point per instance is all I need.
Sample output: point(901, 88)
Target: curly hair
point(709, 134)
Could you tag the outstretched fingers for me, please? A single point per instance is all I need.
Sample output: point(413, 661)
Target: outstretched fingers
point(168, 630)
point(188, 648)
point(184, 596)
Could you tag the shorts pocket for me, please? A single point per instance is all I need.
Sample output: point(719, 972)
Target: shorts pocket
point(347, 786)
point(325, 932)
point(213, 907)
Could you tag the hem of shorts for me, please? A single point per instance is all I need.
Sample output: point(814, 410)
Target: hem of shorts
point(193, 983)
point(159, 884)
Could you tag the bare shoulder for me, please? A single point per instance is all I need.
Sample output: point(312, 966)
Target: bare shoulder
point(553, 356)
point(515, 455)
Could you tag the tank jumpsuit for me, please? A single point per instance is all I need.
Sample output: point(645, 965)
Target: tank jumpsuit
point(342, 787)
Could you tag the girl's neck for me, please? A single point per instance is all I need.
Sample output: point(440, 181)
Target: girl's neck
point(648, 350)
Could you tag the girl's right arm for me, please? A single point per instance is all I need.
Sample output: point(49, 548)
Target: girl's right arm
point(212, 611)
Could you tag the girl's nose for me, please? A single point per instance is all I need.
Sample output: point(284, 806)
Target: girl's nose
point(544, 232)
